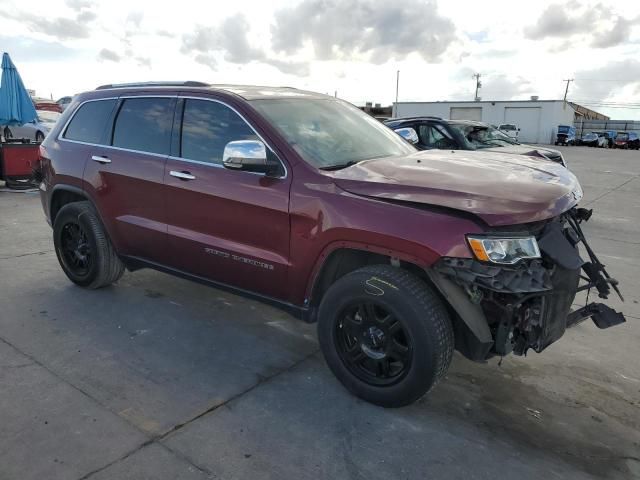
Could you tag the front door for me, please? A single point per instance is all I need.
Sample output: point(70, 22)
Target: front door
point(224, 225)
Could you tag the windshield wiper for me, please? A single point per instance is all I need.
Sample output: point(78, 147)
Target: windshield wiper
point(340, 166)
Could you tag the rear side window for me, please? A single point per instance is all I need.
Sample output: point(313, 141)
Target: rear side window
point(144, 124)
point(207, 127)
point(89, 122)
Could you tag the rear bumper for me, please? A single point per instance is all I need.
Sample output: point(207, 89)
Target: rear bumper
point(514, 308)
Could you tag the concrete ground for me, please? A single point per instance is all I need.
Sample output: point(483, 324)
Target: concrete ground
point(162, 378)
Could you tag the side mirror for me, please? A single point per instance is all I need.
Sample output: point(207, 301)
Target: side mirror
point(248, 155)
point(409, 134)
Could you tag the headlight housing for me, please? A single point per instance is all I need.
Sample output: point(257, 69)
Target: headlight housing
point(503, 250)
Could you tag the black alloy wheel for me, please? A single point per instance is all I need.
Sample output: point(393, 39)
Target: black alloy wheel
point(75, 249)
point(83, 247)
point(385, 334)
point(373, 343)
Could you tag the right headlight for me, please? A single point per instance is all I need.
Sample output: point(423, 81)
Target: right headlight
point(504, 250)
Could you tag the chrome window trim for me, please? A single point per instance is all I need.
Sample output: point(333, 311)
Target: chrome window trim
point(60, 138)
point(64, 129)
point(215, 165)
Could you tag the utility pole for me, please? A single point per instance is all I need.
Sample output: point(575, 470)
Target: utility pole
point(566, 90)
point(478, 85)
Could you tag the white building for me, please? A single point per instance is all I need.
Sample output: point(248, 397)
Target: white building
point(538, 120)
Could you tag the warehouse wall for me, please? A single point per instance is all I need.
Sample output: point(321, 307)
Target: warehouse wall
point(538, 120)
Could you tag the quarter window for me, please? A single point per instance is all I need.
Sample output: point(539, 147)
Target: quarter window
point(144, 124)
point(90, 121)
point(207, 127)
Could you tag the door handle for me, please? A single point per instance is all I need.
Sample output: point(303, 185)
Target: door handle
point(182, 175)
point(99, 159)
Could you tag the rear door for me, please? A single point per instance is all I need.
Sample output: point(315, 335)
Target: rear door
point(224, 225)
point(126, 176)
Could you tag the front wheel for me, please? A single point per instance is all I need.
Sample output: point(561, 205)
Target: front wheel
point(385, 334)
point(83, 248)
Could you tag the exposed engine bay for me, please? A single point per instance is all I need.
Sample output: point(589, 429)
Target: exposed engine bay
point(527, 305)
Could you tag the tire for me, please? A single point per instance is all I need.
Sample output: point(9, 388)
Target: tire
point(83, 248)
point(39, 137)
point(414, 349)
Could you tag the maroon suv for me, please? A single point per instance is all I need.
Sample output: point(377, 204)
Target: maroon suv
point(303, 201)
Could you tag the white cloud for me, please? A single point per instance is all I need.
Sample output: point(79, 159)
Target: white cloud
point(352, 46)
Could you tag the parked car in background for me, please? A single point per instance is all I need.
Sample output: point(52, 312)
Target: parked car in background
point(603, 140)
point(434, 132)
point(610, 135)
point(510, 130)
point(303, 201)
point(627, 140)
point(35, 131)
point(64, 102)
point(566, 135)
point(594, 139)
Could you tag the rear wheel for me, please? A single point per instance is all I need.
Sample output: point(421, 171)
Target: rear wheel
point(385, 334)
point(83, 248)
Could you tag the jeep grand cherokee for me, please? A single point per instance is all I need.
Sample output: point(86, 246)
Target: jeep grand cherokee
point(303, 201)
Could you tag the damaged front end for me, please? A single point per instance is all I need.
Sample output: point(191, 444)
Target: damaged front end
point(525, 302)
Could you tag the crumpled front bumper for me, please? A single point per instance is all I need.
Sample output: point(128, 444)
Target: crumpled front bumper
point(513, 308)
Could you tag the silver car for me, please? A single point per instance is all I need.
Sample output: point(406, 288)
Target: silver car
point(36, 130)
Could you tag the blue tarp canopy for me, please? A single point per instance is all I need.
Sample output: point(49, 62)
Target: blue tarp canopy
point(16, 106)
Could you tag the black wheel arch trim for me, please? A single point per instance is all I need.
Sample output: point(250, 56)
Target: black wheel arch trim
point(65, 188)
point(473, 336)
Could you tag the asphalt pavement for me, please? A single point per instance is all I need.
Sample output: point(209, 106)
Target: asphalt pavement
point(161, 378)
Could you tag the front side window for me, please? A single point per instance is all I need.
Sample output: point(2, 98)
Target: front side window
point(329, 133)
point(483, 136)
point(144, 124)
point(90, 121)
point(435, 137)
point(207, 127)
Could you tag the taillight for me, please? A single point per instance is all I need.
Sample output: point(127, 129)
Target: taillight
point(37, 170)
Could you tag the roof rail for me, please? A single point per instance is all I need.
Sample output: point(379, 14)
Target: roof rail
point(189, 83)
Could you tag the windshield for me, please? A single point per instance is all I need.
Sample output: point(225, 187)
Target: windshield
point(508, 127)
point(563, 129)
point(622, 136)
point(48, 117)
point(329, 133)
point(483, 136)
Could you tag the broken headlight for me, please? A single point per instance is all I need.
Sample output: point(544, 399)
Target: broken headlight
point(503, 250)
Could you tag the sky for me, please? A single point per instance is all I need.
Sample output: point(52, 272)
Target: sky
point(352, 47)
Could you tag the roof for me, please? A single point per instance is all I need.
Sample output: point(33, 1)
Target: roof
point(480, 102)
point(248, 92)
point(399, 120)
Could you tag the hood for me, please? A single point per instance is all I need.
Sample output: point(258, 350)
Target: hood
point(500, 189)
point(530, 150)
point(520, 149)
